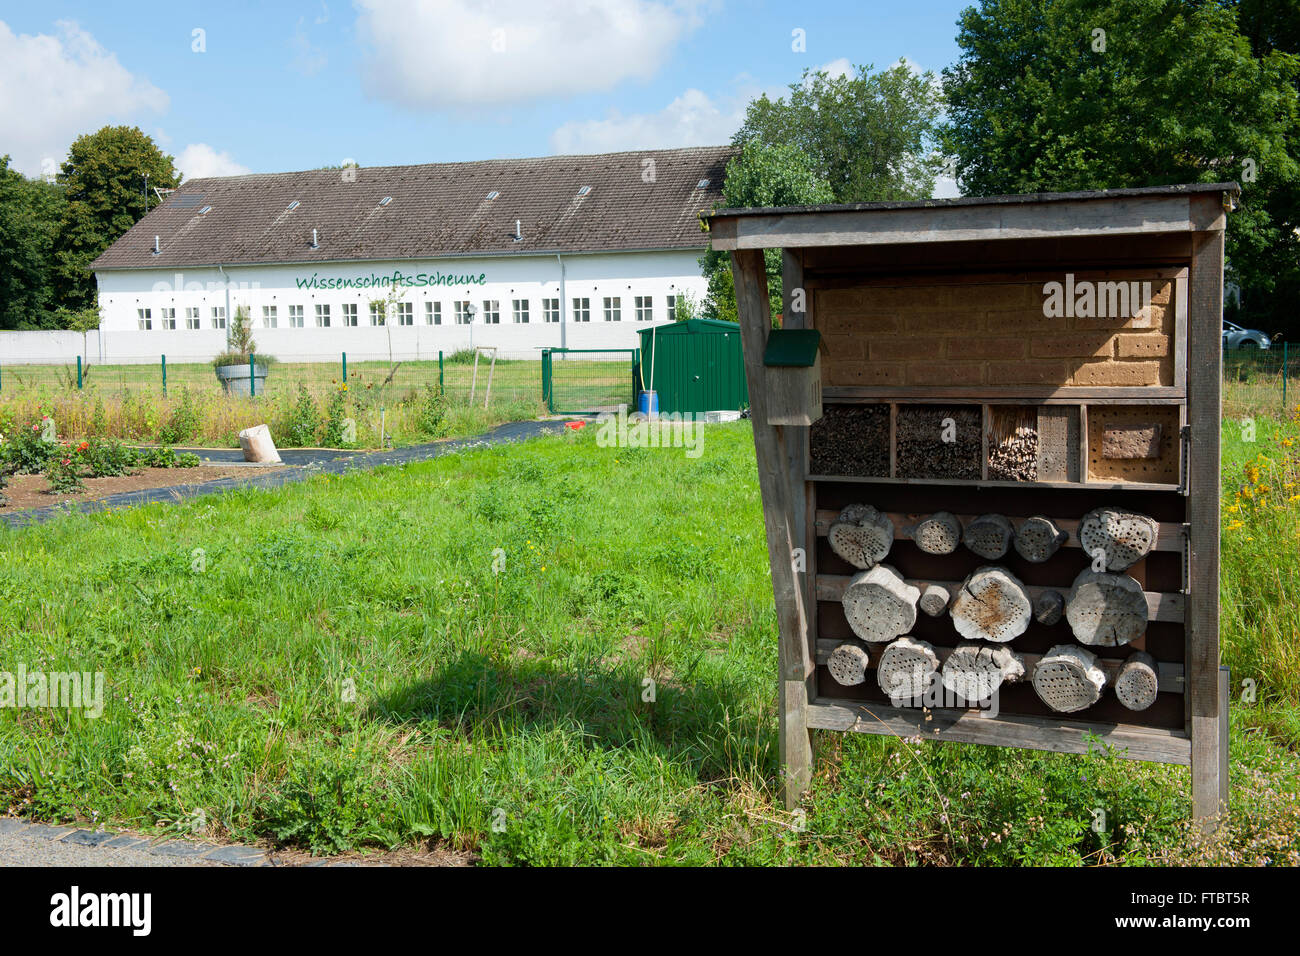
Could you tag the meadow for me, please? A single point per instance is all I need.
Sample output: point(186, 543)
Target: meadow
point(561, 653)
point(128, 402)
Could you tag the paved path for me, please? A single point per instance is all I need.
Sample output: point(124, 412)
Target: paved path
point(303, 462)
point(35, 844)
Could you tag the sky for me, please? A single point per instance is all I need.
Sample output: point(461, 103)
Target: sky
point(234, 87)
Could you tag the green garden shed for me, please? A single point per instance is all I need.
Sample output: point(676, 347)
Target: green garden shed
point(698, 367)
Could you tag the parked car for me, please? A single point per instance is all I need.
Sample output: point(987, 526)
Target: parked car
point(1235, 337)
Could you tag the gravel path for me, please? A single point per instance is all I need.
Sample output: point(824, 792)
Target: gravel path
point(35, 844)
point(303, 462)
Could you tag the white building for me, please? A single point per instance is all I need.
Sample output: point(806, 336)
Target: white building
point(576, 251)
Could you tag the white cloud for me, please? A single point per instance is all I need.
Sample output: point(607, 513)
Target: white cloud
point(55, 87)
point(841, 67)
point(308, 59)
point(693, 119)
point(199, 161)
point(477, 52)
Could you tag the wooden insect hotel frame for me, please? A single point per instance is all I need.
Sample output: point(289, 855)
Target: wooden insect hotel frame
point(1008, 419)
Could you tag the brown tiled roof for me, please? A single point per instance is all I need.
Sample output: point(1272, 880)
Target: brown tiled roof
point(437, 210)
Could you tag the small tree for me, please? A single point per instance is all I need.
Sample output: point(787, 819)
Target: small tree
point(240, 346)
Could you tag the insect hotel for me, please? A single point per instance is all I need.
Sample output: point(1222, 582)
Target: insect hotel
point(988, 443)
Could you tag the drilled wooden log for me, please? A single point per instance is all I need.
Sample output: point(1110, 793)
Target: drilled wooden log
point(906, 669)
point(1038, 538)
point(975, 671)
point(1106, 610)
point(861, 535)
point(989, 536)
point(1122, 537)
point(879, 604)
point(848, 664)
point(938, 534)
point(992, 605)
point(1067, 679)
point(1138, 681)
point(934, 600)
point(1049, 607)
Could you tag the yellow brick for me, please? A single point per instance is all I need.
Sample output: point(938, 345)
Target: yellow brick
point(885, 349)
point(1138, 345)
point(1027, 373)
point(1057, 346)
point(864, 373)
point(979, 347)
point(945, 373)
point(1031, 320)
point(942, 322)
point(1117, 373)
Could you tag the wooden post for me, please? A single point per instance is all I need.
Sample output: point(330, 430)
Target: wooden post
point(773, 449)
point(1205, 704)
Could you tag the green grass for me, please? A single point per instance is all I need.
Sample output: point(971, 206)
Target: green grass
point(579, 383)
point(506, 713)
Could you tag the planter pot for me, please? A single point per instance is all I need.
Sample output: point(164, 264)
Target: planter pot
point(234, 379)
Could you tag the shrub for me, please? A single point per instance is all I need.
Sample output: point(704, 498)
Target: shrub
point(327, 807)
point(433, 411)
point(108, 458)
point(27, 450)
point(303, 422)
point(333, 435)
point(185, 421)
point(63, 472)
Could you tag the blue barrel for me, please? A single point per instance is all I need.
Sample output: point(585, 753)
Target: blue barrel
point(647, 403)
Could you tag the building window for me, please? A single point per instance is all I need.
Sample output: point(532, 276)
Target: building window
point(350, 314)
point(491, 311)
point(376, 313)
point(520, 311)
point(218, 316)
point(270, 316)
point(322, 316)
point(462, 311)
point(295, 316)
point(145, 318)
point(613, 308)
point(672, 308)
point(644, 309)
point(168, 317)
point(192, 318)
point(581, 310)
point(550, 310)
point(405, 313)
point(433, 313)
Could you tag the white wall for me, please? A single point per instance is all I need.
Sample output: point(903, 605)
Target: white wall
point(595, 276)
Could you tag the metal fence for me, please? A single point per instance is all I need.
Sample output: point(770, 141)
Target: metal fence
point(499, 381)
point(1260, 381)
point(576, 381)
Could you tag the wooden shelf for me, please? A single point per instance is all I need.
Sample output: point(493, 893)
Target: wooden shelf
point(989, 483)
point(1169, 536)
point(969, 726)
point(1171, 675)
point(1161, 605)
point(1146, 395)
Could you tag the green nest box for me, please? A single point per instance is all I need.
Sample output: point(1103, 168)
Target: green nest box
point(793, 374)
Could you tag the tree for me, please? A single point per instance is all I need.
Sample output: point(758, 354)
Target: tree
point(1063, 95)
point(761, 175)
point(868, 136)
point(30, 210)
point(858, 138)
point(103, 180)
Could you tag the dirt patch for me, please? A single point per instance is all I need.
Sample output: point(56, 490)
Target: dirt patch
point(32, 491)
